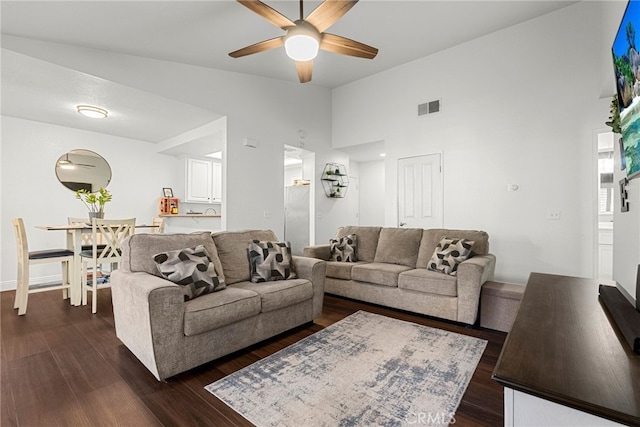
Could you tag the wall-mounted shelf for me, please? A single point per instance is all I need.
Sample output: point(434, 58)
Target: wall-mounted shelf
point(335, 180)
point(192, 215)
point(168, 206)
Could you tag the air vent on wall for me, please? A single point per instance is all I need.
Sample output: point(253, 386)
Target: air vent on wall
point(429, 107)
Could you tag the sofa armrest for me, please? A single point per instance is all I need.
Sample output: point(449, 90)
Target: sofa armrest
point(149, 319)
point(322, 252)
point(313, 270)
point(472, 274)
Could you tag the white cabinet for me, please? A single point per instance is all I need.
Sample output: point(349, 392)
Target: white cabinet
point(217, 182)
point(522, 409)
point(199, 181)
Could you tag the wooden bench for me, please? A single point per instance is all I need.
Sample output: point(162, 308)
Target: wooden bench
point(499, 304)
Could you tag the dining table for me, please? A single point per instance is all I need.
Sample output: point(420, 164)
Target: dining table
point(74, 243)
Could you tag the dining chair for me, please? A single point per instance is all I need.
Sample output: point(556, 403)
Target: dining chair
point(159, 222)
point(113, 233)
point(85, 238)
point(27, 258)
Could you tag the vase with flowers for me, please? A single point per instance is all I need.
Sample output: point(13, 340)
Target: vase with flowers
point(94, 201)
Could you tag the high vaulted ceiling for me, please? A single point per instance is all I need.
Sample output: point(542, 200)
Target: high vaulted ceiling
point(204, 32)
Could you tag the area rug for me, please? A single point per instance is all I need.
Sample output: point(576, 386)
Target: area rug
point(365, 370)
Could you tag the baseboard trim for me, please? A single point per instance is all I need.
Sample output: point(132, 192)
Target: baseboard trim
point(10, 285)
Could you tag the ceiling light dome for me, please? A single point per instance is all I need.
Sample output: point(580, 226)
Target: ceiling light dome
point(92, 112)
point(302, 42)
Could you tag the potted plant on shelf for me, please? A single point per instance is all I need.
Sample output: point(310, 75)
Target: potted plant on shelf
point(614, 118)
point(94, 201)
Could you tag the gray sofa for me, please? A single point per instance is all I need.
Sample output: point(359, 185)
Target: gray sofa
point(391, 270)
point(170, 336)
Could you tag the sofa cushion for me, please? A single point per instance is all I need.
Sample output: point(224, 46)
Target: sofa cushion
point(138, 250)
point(399, 246)
point(378, 273)
point(280, 294)
point(192, 269)
point(431, 238)
point(270, 261)
point(433, 282)
point(341, 270)
point(218, 309)
point(367, 240)
point(232, 251)
point(449, 254)
point(343, 249)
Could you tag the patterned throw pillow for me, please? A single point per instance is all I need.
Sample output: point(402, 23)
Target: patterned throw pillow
point(192, 269)
point(449, 254)
point(344, 248)
point(270, 261)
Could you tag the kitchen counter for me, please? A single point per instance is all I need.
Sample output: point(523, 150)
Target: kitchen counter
point(191, 215)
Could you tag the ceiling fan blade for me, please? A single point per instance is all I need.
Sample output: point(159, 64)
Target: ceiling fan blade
point(329, 12)
point(258, 47)
point(268, 13)
point(305, 69)
point(345, 46)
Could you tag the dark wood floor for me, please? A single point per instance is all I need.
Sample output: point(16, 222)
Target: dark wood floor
point(60, 365)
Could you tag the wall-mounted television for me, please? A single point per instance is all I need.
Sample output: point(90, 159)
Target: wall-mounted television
point(626, 62)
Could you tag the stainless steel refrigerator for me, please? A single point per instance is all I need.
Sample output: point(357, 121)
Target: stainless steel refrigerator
point(297, 217)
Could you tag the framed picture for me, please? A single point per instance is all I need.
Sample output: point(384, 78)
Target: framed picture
point(623, 159)
point(624, 197)
point(167, 192)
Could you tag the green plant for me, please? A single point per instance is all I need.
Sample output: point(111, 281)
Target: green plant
point(94, 201)
point(614, 118)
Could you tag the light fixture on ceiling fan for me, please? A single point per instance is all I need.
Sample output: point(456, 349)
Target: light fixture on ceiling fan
point(305, 36)
point(66, 163)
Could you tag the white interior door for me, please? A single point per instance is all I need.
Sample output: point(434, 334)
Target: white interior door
point(420, 192)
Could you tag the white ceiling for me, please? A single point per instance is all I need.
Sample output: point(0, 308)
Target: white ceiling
point(202, 33)
point(38, 90)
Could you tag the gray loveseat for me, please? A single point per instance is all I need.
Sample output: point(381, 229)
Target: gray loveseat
point(391, 270)
point(170, 336)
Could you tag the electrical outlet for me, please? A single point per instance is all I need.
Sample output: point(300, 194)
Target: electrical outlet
point(553, 215)
point(267, 214)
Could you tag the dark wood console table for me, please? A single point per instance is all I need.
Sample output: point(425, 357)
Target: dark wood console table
point(564, 362)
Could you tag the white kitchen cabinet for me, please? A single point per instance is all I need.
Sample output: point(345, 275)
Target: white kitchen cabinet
point(199, 181)
point(217, 182)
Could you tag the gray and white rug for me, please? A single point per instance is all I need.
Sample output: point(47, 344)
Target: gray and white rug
point(365, 370)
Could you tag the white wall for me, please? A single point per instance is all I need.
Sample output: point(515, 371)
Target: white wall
point(372, 193)
point(31, 190)
point(518, 106)
point(626, 229)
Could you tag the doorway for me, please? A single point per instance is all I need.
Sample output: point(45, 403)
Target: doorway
point(420, 192)
point(299, 198)
point(605, 179)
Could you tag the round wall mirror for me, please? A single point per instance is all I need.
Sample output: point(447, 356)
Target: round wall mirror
point(83, 169)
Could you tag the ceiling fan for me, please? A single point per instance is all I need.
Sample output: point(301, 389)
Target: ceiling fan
point(305, 36)
point(66, 163)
